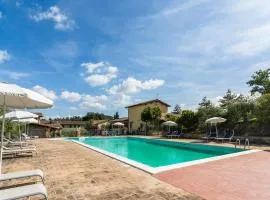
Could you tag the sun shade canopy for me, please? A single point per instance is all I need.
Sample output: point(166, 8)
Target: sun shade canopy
point(14, 96)
point(19, 114)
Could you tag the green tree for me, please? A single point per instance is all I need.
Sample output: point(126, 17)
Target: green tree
point(263, 109)
point(188, 119)
point(95, 116)
point(170, 117)
point(205, 103)
point(156, 115)
point(242, 111)
point(116, 115)
point(75, 118)
point(88, 125)
point(260, 82)
point(207, 110)
point(228, 99)
point(177, 109)
point(146, 116)
point(10, 127)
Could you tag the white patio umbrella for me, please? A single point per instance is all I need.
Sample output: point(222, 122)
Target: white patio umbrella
point(37, 100)
point(215, 121)
point(14, 96)
point(169, 124)
point(25, 122)
point(19, 114)
point(118, 124)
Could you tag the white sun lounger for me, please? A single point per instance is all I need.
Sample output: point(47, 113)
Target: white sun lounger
point(30, 148)
point(227, 136)
point(175, 134)
point(17, 150)
point(23, 191)
point(17, 143)
point(22, 174)
point(25, 136)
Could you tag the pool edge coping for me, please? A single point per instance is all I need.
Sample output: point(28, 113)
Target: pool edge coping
point(155, 170)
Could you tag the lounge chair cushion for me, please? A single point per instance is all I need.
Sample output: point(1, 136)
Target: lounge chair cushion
point(30, 148)
point(22, 174)
point(23, 191)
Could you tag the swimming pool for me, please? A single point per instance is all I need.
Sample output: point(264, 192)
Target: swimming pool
point(154, 155)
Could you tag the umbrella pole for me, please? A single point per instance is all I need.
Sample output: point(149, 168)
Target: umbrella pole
point(20, 130)
point(25, 125)
point(2, 134)
point(216, 130)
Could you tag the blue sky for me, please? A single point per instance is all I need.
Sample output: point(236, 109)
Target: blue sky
point(101, 55)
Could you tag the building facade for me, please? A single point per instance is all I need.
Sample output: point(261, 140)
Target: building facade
point(43, 130)
point(134, 113)
point(72, 123)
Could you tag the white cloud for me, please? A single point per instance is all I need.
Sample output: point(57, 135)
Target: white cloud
point(99, 73)
point(92, 105)
point(70, 96)
point(61, 20)
point(120, 100)
point(152, 84)
point(44, 91)
point(91, 67)
point(100, 102)
point(95, 98)
point(94, 102)
point(112, 70)
point(175, 9)
point(97, 79)
point(132, 85)
point(216, 100)
point(4, 56)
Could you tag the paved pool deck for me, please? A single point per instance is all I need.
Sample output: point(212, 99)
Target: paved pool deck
point(73, 172)
point(245, 177)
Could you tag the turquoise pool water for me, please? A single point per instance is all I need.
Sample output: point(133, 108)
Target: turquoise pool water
point(154, 152)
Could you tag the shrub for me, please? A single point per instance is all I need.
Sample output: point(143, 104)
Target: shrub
point(151, 115)
point(205, 113)
point(68, 132)
point(188, 120)
point(84, 132)
point(240, 112)
point(263, 109)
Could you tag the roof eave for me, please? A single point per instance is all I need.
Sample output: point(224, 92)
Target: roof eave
point(146, 102)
